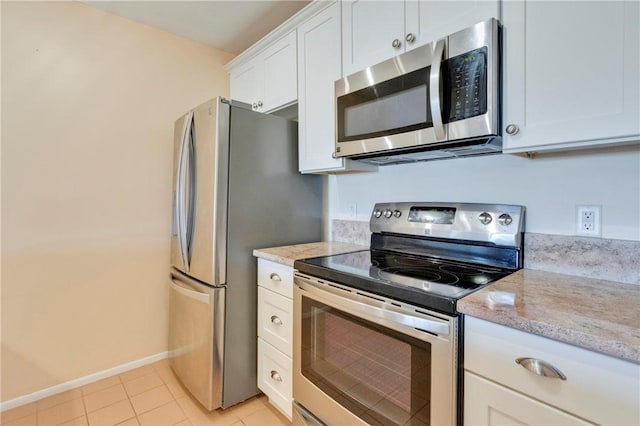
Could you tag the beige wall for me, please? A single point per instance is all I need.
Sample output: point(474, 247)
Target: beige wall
point(88, 105)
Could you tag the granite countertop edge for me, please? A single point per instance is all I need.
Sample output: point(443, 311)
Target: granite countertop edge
point(547, 304)
point(561, 307)
point(287, 255)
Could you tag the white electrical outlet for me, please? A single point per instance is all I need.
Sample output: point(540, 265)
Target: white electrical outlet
point(588, 221)
point(353, 211)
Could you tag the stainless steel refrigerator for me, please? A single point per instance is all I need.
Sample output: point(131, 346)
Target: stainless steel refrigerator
point(236, 188)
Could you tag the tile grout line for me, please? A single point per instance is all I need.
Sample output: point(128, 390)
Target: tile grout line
point(84, 407)
point(165, 380)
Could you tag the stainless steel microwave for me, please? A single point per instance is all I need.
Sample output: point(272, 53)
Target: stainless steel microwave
point(439, 100)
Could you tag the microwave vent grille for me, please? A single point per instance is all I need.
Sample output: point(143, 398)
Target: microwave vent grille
point(460, 149)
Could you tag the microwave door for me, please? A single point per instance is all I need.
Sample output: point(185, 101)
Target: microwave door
point(386, 106)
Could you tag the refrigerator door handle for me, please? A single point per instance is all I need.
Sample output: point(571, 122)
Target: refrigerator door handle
point(185, 291)
point(181, 188)
point(191, 189)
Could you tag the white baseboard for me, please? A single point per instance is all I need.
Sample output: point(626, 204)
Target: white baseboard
point(25, 399)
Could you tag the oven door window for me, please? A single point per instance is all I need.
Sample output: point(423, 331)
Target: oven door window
point(378, 374)
point(393, 106)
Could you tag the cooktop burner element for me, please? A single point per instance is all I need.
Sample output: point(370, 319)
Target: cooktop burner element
point(429, 255)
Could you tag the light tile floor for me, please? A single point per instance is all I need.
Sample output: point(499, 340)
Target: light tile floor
point(149, 395)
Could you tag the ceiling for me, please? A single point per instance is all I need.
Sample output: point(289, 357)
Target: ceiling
point(231, 26)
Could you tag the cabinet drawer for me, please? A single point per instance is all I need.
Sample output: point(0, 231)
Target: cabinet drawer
point(599, 388)
point(274, 376)
point(276, 277)
point(486, 403)
point(275, 319)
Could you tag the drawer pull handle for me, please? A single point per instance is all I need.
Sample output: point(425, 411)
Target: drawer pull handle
point(275, 277)
point(275, 376)
point(541, 368)
point(276, 320)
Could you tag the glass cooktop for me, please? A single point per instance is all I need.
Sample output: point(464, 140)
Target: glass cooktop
point(424, 281)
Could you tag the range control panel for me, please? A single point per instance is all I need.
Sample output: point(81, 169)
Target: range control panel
point(500, 224)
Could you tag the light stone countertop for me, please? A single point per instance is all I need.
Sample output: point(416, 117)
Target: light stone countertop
point(288, 254)
point(600, 315)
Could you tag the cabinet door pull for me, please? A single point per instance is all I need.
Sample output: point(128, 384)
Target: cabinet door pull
point(410, 38)
point(396, 44)
point(275, 277)
point(275, 376)
point(276, 320)
point(260, 104)
point(541, 368)
point(512, 129)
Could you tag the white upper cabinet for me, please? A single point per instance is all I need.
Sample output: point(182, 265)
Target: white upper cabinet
point(319, 66)
point(433, 20)
point(373, 31)
point(247, 83)
point(377, 30)
point(268, 81)
point(571, 74)
point(280, 73)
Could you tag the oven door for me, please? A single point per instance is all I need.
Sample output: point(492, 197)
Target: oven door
point(359, 359)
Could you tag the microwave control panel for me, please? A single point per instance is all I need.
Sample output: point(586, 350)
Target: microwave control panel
point(467, 75)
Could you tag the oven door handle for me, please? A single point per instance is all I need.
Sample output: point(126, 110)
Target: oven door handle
point(407, 320)
point(354, 303)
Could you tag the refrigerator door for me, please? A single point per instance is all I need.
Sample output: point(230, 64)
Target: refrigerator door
point(200, 192)
point(207, 261)
point(196, 337)
point(181, 180)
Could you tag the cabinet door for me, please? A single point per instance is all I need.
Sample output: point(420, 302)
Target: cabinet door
point(280, 74)
point(247, 83)
point(275, 320)
point(487, 403)
point(599, 388)
point(319, 66)
point(275, 376)
point(276, 277)
point(571, 74)
point(369, 28)
point(429, 20)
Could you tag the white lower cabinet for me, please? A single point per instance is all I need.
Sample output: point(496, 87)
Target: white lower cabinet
point(596, 388)
point(488, 403)
point(275, 333)
point(274, 376)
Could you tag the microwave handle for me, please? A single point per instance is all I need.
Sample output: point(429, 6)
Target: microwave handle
point(434, 91)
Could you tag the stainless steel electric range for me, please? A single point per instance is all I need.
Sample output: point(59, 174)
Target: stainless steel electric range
point(377, 337)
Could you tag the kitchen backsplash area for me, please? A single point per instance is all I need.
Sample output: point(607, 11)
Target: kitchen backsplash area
point(606, 259)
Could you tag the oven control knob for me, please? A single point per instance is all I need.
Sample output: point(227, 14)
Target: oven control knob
point(377, 213)
point(388, 213)
point(397, 213)
point(485, 218)
point(504, 219)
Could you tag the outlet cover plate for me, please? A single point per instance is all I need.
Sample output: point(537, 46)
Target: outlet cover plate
point(589, 220)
